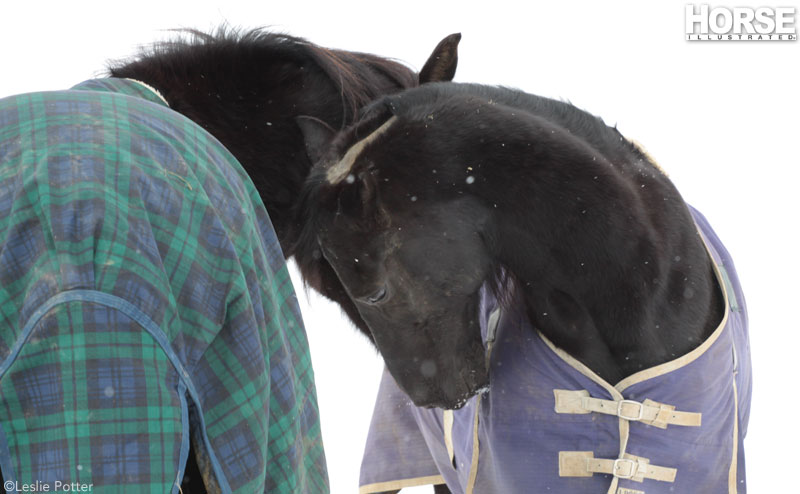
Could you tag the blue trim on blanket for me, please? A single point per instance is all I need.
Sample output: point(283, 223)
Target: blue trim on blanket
point(28, 329)
point(184, 454)
point(5, 453)
point(156, 333)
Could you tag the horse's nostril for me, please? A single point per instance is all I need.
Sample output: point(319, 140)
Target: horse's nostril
point(428, 368)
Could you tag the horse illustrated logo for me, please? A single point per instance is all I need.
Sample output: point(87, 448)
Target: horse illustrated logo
point(704, 23)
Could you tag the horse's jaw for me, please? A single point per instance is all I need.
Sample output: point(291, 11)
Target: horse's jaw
point(448, 389)
point(480, 391)
point(454, 403)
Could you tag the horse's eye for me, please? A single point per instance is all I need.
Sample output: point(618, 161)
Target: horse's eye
point(377, 296)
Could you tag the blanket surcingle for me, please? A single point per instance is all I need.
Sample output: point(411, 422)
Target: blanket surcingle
point(144, 300)
point(548, 424)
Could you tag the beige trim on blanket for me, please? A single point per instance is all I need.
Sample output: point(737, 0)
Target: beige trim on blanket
point(580, 367)
point(494, 320)
point(732, 485)
point(690, 357)
point(473, 469)
point(394, 485)
point(447, 423)
point(150, 88)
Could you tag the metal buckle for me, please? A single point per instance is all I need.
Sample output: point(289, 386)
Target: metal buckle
point(634, 466)
point(629, 417)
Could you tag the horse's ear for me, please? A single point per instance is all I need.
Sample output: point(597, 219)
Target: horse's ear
point(441, 65)
point(316, 134)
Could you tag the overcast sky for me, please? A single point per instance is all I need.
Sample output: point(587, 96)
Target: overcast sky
point(721, 118)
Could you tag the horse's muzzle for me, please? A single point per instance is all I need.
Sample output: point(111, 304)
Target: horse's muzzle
point(449, 392)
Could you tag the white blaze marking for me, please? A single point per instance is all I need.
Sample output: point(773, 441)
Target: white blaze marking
point(340, 170)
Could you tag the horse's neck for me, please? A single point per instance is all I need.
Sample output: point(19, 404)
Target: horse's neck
point(612, 268)
point(250, 107)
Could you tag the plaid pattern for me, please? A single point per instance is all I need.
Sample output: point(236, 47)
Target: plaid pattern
point(143, 298)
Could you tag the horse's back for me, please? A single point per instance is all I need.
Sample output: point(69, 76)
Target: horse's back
point(144, 299)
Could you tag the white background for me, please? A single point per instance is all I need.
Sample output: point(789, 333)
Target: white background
point(721, 118)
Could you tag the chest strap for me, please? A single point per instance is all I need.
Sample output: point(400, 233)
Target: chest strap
point(649, 412)
point(630, 467)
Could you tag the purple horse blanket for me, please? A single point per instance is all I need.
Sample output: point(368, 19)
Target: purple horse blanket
point(549, 424)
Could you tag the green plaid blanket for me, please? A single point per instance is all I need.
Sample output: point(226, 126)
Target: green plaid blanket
point(144, 300)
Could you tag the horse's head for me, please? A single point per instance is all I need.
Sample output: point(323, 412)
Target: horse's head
point(394, 219)
point(317, 132)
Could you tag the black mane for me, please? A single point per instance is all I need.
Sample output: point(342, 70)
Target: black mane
point(354, 74)
point(248, 87)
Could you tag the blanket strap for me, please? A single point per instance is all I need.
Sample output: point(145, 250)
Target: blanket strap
point(630, 467)
point(649, 412)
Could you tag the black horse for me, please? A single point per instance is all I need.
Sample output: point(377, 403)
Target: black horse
point(464, 184)
point(256, 92)
point(440, 189)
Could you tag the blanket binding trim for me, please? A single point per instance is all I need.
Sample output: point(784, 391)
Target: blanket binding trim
point(400, 484)
point(732, 474)
point(185, 438)
point(690, 357)
point(491, 334)
point(150, 88)
point(133, 312)
point(476, 453)
point(447, 423)
point(660, 369)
